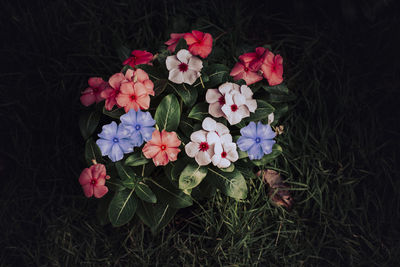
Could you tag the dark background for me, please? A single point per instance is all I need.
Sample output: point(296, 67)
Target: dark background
point(49, 49)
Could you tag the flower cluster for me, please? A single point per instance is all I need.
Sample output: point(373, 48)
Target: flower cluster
point(252, 67)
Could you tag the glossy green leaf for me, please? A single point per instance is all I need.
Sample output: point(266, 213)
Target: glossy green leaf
point(186, 92)
point(144, 192)
point(199, 111)
point(231, 168)
point(115, 113)
point(125, 172)
point(276, 151)
point(122, 207)
point(167, 193)
point(217, 74)
point(168, 113)
point(231, 184)
point(136, 159)
point(88, 123)
point(155, 216)
point(192, 176)
point(92, 152)
point(277, 89)
point(159, 86)
point(262, 111)
point(181, 45)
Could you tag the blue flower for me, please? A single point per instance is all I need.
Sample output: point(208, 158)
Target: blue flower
point(114, 141)
point(140, 125)
point(256, 139)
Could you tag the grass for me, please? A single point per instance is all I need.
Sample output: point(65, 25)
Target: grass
point(339, 144)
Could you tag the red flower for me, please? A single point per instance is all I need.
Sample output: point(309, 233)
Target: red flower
point(138, 57)
point(175, 37)
point(272, 68)
point(162, 148)
point(199, 43)
point(93, 92)
point(112, 92)
point(242, 71)
point(93, 179)
point(254, 59)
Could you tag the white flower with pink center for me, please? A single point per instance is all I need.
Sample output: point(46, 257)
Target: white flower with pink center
point(205, 142)
point(216, 98)
point(224, 155)
point(183, 67)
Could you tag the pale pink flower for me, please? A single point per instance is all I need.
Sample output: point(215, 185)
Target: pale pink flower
point(183, 67)
point(140, 76)
point(112, 92)
point(173, 42)
point(242, 71)
point(224, 155)
point(216, 98)
point(235, 108)
point(272, 68)
point(92, 180)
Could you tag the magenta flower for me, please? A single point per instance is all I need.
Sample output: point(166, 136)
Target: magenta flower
point(92, 180)
point(93, 92)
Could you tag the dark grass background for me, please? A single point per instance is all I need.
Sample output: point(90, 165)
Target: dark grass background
point(341, 142)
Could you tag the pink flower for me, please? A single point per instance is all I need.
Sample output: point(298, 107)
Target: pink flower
point(140, 76)
point(133, 96)
point(199, 43)
point(138, 57)
point(92, 180)
point(255, 59)
point(242, 71)
point(216, 98)
point(162, 147)
point(175, 37)
point(183, 67)
point(272, 68)
point(112, 92)
point(93, 92)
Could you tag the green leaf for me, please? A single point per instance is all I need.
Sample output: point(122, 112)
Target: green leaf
point(144, 192)
point(192, 176)
point(122, 207)
point(136, 159)
point(276, 151)
point(231, 168)
point(231, 184)
point(217, 74)
point(181, 45)
point(102, 209)
point(155, 216)
point(204, 190)
point(115, 113)
point(186, 126)
point(186, 92)
point(177, 169)
point(280, 89)
point(92, 152)
point(159, 86)
point(168, 193)
point(199, 111)
point(262, 111)
point(125, 173)
point(168, 113)
point(88, 123)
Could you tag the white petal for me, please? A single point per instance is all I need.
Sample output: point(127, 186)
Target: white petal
point(232, 155)
point(239, 99)
point(198, 136)
point(236, 88)
point(218, 148)
point(271, 118)
point(209, 124)
point(229, 147)
point(251, 105)
point(175, 76)
point(172, 62)
point(229, 99)
point(246, 91)
point(226, 138)
point(225, 88)
point(183, 56)
point(202, 158)
point(212, 95)
point(215, 110)
point(243, 111)
point(224, 163)
point(226, 110)
point(213, 138)
point(195, 63)
point(190, 76)
point(221, 129)
point(216, 159)
point(192, 149)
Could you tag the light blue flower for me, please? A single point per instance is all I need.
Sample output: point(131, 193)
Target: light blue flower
point(114, 141)
point(256, 139)
point(140, 125)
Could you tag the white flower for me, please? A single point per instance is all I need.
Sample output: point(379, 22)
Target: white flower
point(234, 108)
point(271, 118)
point(204, 142)
point(183, 67)
point(224, 155)
point(216, 98)
point(249, 101)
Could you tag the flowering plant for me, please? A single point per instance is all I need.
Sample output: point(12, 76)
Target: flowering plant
point(177, 126)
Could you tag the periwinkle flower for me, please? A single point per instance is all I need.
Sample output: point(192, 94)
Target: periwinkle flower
point(140, 125)
point(256, 139)
point(114, 141)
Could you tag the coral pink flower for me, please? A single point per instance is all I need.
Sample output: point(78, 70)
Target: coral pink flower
point(133, 96)
point(199, 43)
point(272, 68)
point(112, 92)
point(140, 76)
point(92, 180)
point(138, 57)
point(255, 59)
point(162, 148)
point(242, 71)
point(93, 92)
point(172, 43)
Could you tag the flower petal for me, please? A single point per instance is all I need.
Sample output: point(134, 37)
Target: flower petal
point(226, 88)
point(195, 64)
point(170, 139)
point(88, 190)
point(98, 171)
point(202, 158)
point(184, 56)
point(105, 146)
point(226, 138)
point(216, 159)
point(246, 91)
point(266, 146)
point(237, 69)
point(129, 118)
point(224, 163)
point(126, 145)
point(109, 131)
point(85, 177)
point(264, 131)
point(239, 99)
point(213, 95)
point(198, 136)
point(116, 153)
point(150, 151)
point(213, 138)
point(172, 62)
point(172, 153)
point(116, 80)
point(251, 105)
point(250, 131)
point(161, 159)
point(99, 191)
point(95, 82)
point(209, 124)
point(176, 76)
point(245, 143)
point(87, 99)
point(147, 132)
point(190, 76)
point(192, 149)
point(255, 152)
point(214, 109)
point(155, 138)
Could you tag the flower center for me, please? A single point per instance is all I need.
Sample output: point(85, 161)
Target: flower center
point(133, 97)
point(115, 140)
point(183, 67)
point(234, 107)
point(163, 147)
point(137, 127)
point(203, 146)
point(93, 182)
point(223, 154)
point(246, 69)
point(258, 140)
point(221, 100)
point(95, 89)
